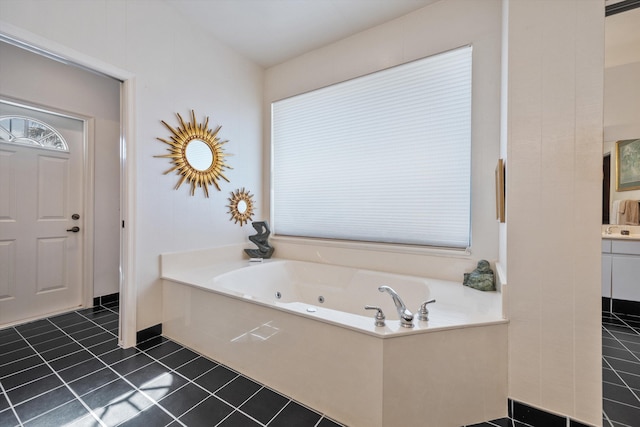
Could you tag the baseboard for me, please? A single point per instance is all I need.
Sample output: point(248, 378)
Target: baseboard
point(148, 333)
point(538, 417)
point(625, 307)
point(106, 299)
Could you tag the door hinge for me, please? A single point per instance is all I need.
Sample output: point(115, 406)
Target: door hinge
point(123, 223)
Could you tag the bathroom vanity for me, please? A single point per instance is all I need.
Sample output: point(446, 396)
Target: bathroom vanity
point(621, 270)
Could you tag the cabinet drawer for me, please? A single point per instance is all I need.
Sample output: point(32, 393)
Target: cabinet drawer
point(606, 246)
point(630, 247)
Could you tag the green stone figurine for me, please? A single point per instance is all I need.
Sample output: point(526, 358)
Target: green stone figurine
point(481, 278)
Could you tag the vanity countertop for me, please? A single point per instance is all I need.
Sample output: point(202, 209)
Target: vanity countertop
point(613, 232)
point(618, 236)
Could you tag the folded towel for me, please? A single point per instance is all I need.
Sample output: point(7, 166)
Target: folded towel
point(632, 213)
point(629, 213)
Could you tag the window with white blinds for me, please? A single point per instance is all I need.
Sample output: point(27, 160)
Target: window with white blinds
point(381, 158)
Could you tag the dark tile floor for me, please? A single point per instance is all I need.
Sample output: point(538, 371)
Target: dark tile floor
point(69, 370)
point(502, 422)
point(620, 374)
point(620, 370)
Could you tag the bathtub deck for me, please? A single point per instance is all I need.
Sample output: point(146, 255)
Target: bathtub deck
point(456, 306)
point(452, 376)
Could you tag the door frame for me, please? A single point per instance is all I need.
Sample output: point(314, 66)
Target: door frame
point(48, 48)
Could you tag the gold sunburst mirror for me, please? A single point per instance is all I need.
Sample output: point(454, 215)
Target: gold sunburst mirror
point(241, 206)
point(196, 153)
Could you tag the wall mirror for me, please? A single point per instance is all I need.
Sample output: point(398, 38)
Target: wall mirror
point(196, 153)
point(241, 206)
point(199, 155)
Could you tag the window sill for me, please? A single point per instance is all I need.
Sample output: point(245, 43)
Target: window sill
point(375, 247)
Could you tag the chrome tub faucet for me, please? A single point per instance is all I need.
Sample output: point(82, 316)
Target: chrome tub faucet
point(406, 317)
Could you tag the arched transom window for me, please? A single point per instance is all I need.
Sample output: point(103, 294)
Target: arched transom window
point(31, 132)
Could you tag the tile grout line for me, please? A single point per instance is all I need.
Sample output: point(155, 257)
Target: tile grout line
point(212, 393)
point(237, 408)
point(626, 348)
point(278, 413)
point(79, 397)
point(11, 406)
point(117, 374)
point(174, 370)
point(63, 382)
point(619, 376)
point(80, 318)
point(608, 365)
point(238, 374)
point(625, 385)
point(20, 371)
point(95, 323)
point(614, 336)
point(38, 353)
point(604, 414)
point(189, 381)
point(622, 360)
point(620, 403)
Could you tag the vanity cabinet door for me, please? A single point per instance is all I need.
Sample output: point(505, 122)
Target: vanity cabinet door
point(606, 275)
point(630, 247)
point(625, 277)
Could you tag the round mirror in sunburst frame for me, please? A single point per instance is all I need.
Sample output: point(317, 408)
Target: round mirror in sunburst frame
point(196, 153)
point(240, 206)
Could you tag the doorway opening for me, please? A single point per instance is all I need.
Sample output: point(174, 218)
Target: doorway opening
point(606, 188)
point(107, 268)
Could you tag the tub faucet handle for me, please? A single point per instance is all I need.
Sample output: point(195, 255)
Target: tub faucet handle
point(423, 312)
point(379, 314)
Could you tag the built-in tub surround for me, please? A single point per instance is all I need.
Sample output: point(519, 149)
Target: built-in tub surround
point(449, 371)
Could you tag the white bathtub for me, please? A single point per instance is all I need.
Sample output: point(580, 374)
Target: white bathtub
point(267, 321)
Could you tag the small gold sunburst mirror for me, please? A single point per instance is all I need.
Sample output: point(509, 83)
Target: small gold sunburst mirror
point(241, 206)
point(196, 153)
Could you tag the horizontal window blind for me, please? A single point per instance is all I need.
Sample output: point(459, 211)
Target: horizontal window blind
point(381, 158)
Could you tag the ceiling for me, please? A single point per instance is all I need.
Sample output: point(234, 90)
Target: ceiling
point(272, 31)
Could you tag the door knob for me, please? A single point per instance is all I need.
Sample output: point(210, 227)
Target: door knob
point(75, 216)
point(74, 229)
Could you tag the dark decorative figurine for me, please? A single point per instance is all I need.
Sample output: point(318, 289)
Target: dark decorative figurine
point(265, 250)
point(481, 278)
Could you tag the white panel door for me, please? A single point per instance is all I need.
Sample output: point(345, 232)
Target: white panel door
point(40, 191)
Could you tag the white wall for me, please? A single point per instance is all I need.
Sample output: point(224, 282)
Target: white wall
point(554, 178)
point(555, 116)
point(433, 29)
point(176, 67)
point(621, 115)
